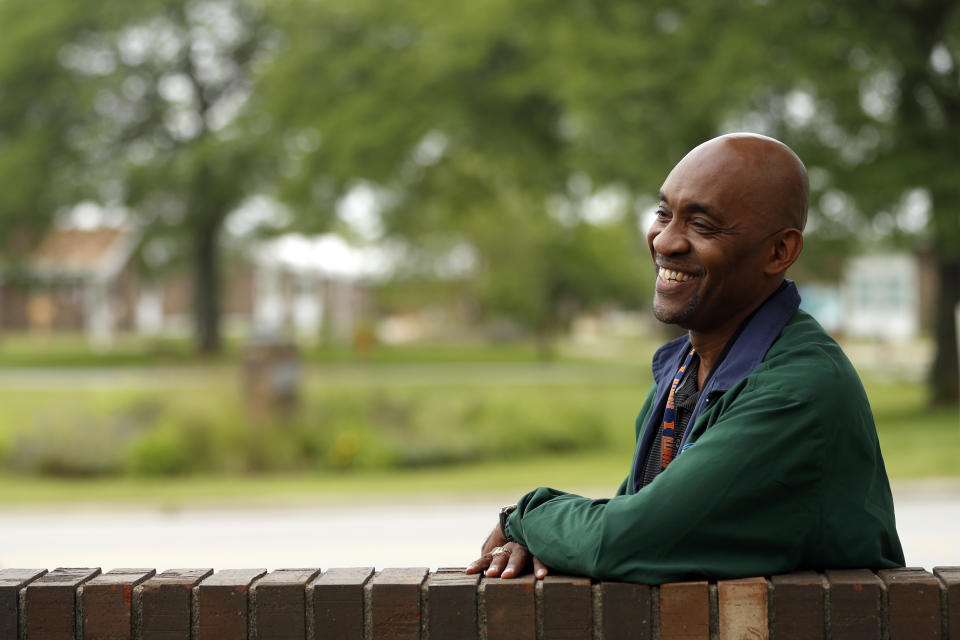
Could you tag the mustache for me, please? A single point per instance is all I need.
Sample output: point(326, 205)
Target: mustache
point(659, 262)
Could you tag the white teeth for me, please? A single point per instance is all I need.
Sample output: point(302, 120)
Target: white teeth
point(678, 276)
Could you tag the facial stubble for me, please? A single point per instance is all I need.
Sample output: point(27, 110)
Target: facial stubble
point(681, 317)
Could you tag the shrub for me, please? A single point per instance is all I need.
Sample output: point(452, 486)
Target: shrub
point(206, 430)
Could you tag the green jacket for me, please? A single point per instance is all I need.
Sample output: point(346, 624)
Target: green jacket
point(780, 470)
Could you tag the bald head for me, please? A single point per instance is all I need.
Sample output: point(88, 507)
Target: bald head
point(728, 227)
point(764, 174)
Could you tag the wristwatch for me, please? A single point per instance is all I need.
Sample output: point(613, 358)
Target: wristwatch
point(504, 513)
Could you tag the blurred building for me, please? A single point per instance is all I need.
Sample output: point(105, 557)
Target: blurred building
point(74, 280)
point(883, 296)
point(90, 281)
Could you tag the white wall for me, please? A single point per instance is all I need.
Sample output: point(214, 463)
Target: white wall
point(881, 296)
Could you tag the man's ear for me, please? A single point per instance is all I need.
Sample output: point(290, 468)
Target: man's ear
point(785, 248)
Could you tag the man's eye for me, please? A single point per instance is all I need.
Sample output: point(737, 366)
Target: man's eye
point(702, 226)
point(663, 215)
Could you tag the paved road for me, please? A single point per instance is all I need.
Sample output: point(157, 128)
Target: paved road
point(421, 532)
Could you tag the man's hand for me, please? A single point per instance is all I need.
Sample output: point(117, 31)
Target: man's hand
point(504, 559)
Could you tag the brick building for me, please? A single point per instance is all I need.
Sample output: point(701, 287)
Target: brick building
point(88, 280)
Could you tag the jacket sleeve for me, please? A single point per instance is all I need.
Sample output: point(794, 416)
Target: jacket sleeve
point(744, 500)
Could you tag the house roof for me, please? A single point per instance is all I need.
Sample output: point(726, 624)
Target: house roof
point(78, 252)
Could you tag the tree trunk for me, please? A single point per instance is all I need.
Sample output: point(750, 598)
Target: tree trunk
point(944, 377)
point(206, 287)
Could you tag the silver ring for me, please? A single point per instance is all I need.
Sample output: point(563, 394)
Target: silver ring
point(499, 551)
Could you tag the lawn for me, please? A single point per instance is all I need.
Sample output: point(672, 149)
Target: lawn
point(917, 442)
point(432, 420)
point(592, 473)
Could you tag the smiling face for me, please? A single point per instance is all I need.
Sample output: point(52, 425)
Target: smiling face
point(718, 238)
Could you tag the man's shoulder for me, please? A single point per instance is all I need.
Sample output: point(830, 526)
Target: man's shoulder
point(803, 337)
point(806, 371)
point(804, 355)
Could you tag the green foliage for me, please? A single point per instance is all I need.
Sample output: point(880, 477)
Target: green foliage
point(62, 444)
point(491, 124)
point(378, 417)
point(166, 450)
point(141, 105)
point(470, 150)
point(366, 427)
point(526, 96)
point(38, 103)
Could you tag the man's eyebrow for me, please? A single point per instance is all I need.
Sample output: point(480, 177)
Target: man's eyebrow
point(695, 207)
point(701, 208)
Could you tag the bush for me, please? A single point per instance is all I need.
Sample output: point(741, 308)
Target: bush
point(206, 430)
point(65, 441)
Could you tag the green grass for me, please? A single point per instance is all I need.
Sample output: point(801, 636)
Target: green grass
point(74, 350)
point(374, 427)
point(68, 350)
point(917, 442)
point(372, 416)
point(594, 473)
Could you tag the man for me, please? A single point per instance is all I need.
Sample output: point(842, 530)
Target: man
point(756, 448)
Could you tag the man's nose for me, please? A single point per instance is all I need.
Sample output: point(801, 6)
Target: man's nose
point(671, 240)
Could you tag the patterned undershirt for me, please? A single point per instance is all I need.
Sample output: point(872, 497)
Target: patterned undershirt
point(686, 400)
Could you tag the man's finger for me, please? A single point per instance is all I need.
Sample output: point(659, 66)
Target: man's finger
point(517, 562)
point(539, 569)
point(479, 564)
point(498, 560)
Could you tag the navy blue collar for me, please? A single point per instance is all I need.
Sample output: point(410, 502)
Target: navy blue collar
point(749, 347)
point(741, 356)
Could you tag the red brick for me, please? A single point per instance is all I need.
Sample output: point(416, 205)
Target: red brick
point(950, 577)
point(166, 602)
point(452, 605)
point(685, 611)
point(913, 604)
point(395, 604)
point(567, 608)
point(508, 608)
point(625, 611)
point(11, 581)
point(798, 610)
point(222, 610)
point(338, 603)
point(51, 603)
point(742, 608)
point(855, 596)
point(107, 603)
point(280, 607)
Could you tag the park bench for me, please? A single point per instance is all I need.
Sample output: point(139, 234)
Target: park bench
point(414, 603)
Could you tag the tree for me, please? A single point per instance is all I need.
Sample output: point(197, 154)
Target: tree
point(38, 104)
point(868, 92)
point(451, 115)
point(479, 116)
point(151, 112)
point(191, 149)
point(902, 57)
